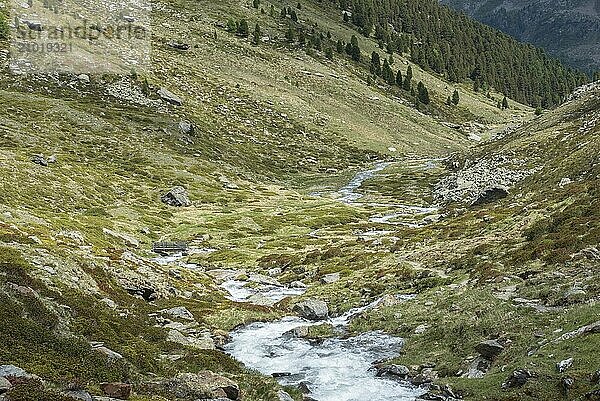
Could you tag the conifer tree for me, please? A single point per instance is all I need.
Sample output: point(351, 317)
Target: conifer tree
point(455, 97)
point(407, 80)
point(422, 93)
point(355, 50)
point(399, 78)
point(387, 73)
point(340, 46)
point(375, 64)
point(243, 29)
point(256, 38)
point(505, 103)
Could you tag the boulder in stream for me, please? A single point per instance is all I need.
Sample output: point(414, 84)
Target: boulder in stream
point(312, 309)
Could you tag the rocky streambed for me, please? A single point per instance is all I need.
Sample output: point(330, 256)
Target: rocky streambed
point(339, 368)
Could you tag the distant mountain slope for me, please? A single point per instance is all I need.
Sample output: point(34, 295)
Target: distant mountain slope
point(568, 29)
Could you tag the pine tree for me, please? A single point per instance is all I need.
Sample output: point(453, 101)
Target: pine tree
point(340, 46)
point(505, 103)
point(387, 73)
point(284, 13)
point(255, 3)
point(455, 97)
point(399, 78)
point(294, 16)
point(422, 93)
point(355, 50)
point(375, 64)
point(407, 81)
point(272, 11)
point(256, 38)
point(243, 29)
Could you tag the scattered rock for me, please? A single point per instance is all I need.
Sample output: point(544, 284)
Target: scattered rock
point(169, 97)
point(85, 78)
point(180, 312)
point(489, 349)
point(593, 395)
point(283, 396)
point(52, 159)
point(518, 378)
point(330, 278)
point(592, 328)
point(78, 395)
point(312, 309)
point(304, 388)
point(108, 352)
point(427, 375)
point(204, 384)
point(120, 391)
point(39, 159)
point(281, 374)
point(4, 385)
point(177, 197)
point(179, 45)
point(186, 127)
point(109, 302)
point(420, 329)
point(566, 384)
point(203, 342)
point(400, 371)
point(478, 367)
point(596, 377)
point(14, 371)
point(563, 365)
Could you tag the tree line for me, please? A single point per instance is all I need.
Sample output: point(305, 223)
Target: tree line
point(451, 44)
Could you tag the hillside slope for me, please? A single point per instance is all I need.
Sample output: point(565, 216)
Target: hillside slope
point(268, 143)
point(569, 30)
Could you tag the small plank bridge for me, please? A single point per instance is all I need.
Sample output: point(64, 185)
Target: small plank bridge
point(169, 248)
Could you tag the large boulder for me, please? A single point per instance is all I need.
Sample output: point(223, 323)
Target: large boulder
point(518, 378)
point(121, 391)
point(312, 309)
point(204, 384)
point(489, 349)
point(177, 196)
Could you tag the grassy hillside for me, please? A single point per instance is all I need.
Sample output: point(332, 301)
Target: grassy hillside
point(273, 125)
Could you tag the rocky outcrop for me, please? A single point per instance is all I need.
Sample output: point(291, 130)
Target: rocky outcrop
point(480, 182)
point(312, 309)
point(177, 197)
point(396, 371)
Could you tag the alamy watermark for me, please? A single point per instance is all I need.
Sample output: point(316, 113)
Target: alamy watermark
point(67, 36)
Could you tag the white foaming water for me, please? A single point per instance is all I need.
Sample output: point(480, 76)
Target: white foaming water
point(334, 370)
